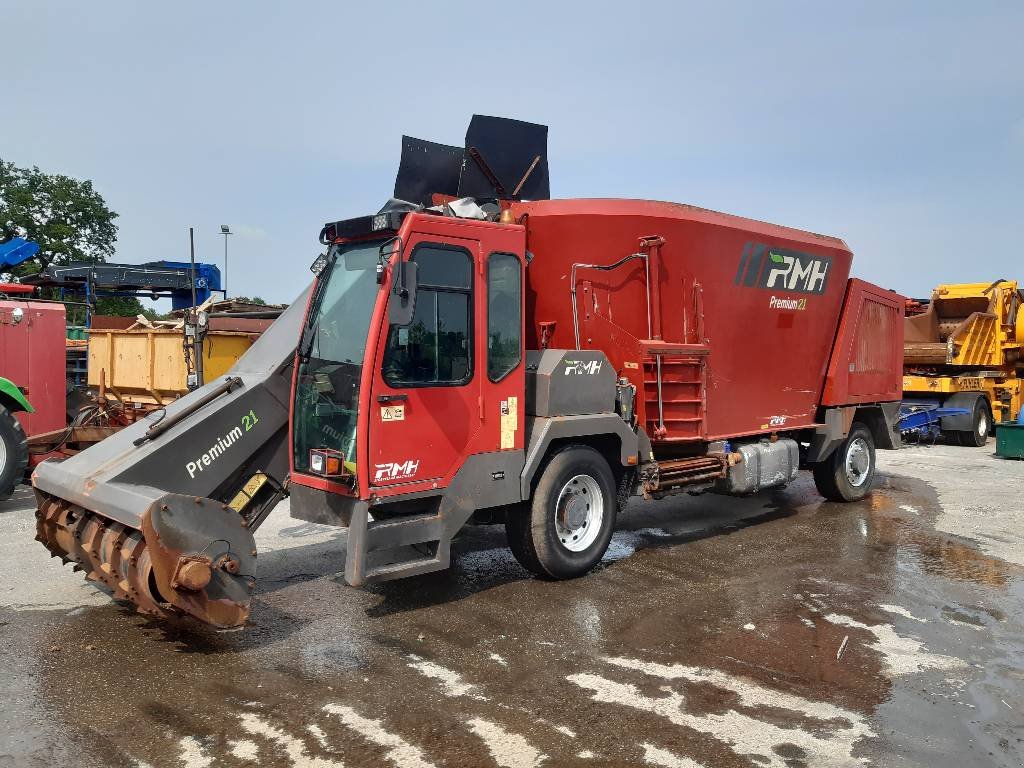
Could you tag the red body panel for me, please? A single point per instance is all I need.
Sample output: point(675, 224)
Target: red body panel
point(32, 356)
point(868, 354)
point(767, 347)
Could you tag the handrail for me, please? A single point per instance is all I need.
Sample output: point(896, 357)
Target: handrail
point(608, 268)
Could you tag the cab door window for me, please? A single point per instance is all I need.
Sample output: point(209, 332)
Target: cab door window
point(504, 315)
point(436, 348)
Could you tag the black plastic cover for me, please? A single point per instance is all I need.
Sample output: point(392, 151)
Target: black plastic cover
point(508, 147)
point(427, 168)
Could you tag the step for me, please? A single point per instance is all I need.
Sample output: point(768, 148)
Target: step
point(414, 566)
point(372, 541)
point(402, 531)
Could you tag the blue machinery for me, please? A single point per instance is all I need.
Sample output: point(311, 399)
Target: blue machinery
point(921, 421)
point(157, 279)
point(15, 251)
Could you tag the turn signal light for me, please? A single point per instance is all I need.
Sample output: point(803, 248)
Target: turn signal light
point(327, 462)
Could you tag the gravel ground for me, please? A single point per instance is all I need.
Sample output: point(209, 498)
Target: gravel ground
point(777, 631)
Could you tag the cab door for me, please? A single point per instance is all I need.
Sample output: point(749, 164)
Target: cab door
point(424, 409)
point(439, 394)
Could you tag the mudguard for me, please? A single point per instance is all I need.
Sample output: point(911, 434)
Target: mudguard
point(8, 388)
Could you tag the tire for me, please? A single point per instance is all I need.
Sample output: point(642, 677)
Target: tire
point(564, 531)
point(981, 423)
point(847, 473)
point(13, 452)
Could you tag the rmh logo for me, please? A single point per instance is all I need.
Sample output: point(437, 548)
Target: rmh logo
point(782, 269)
point(394, 470)
point(796, 273)
point(580, 367)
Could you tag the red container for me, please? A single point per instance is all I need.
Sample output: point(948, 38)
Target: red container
point(33, 357)
point(759, 324)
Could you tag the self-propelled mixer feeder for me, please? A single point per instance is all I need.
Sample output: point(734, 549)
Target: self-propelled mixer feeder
point(478, 353)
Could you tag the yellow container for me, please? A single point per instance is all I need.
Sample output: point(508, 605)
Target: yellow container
point(148, 365)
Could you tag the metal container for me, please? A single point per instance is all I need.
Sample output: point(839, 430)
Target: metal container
point(726, 326)
point(1010, 440)
point(148, 366)
point(764, 465)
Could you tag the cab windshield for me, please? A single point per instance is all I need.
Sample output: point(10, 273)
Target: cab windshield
point(331, 355)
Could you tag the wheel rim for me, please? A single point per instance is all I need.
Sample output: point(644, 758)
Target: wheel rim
point(858, 462)
point(983, 424)
point(579, 512)
point(3, 455)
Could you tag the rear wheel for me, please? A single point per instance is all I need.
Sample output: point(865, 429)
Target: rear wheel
point(847, 474)
point(565, 530)
point(981, 425)
point(13, 452)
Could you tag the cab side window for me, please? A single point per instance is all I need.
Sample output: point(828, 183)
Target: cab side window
point(436, 348)
point(504, 315)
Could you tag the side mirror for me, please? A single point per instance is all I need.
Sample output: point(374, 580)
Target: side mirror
point(402, 305)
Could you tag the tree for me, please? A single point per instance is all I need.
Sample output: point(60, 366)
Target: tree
point(67, 217)
point(124, 306)
point(246, 300)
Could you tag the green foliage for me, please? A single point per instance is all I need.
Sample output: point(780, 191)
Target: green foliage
point(247, 300)
point(67, 217)
point(123, 306)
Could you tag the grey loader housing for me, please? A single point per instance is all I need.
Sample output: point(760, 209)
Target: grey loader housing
point(570, 395)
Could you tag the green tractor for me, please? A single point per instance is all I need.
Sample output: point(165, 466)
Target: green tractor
point(13, 441)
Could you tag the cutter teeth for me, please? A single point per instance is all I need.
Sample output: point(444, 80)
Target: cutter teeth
point(97, 547)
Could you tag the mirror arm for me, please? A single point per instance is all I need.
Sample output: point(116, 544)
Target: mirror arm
point(381, 257)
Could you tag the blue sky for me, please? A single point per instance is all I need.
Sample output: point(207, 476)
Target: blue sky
point(896, 126)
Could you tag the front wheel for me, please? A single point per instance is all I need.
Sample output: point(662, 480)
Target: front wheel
point(847, 474)
point(566, 528)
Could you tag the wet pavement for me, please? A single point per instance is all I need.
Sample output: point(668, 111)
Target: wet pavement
point(778, 631)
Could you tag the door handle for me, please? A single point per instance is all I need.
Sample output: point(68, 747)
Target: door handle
point(391, 398)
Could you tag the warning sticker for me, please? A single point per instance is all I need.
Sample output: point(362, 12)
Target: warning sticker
point(392, 413)
point(509, 422)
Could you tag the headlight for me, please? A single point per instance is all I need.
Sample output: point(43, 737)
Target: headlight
point(316, 462)
point(327, 462)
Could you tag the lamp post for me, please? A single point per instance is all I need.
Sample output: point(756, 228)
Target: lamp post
point(225, 230)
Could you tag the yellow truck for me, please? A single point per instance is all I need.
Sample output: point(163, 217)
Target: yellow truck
point(964, 348)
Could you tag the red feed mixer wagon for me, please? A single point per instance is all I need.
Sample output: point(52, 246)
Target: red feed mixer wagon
point(471, 354)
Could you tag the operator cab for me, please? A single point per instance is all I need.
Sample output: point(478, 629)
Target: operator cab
point(411, 357)
point(413, 335)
